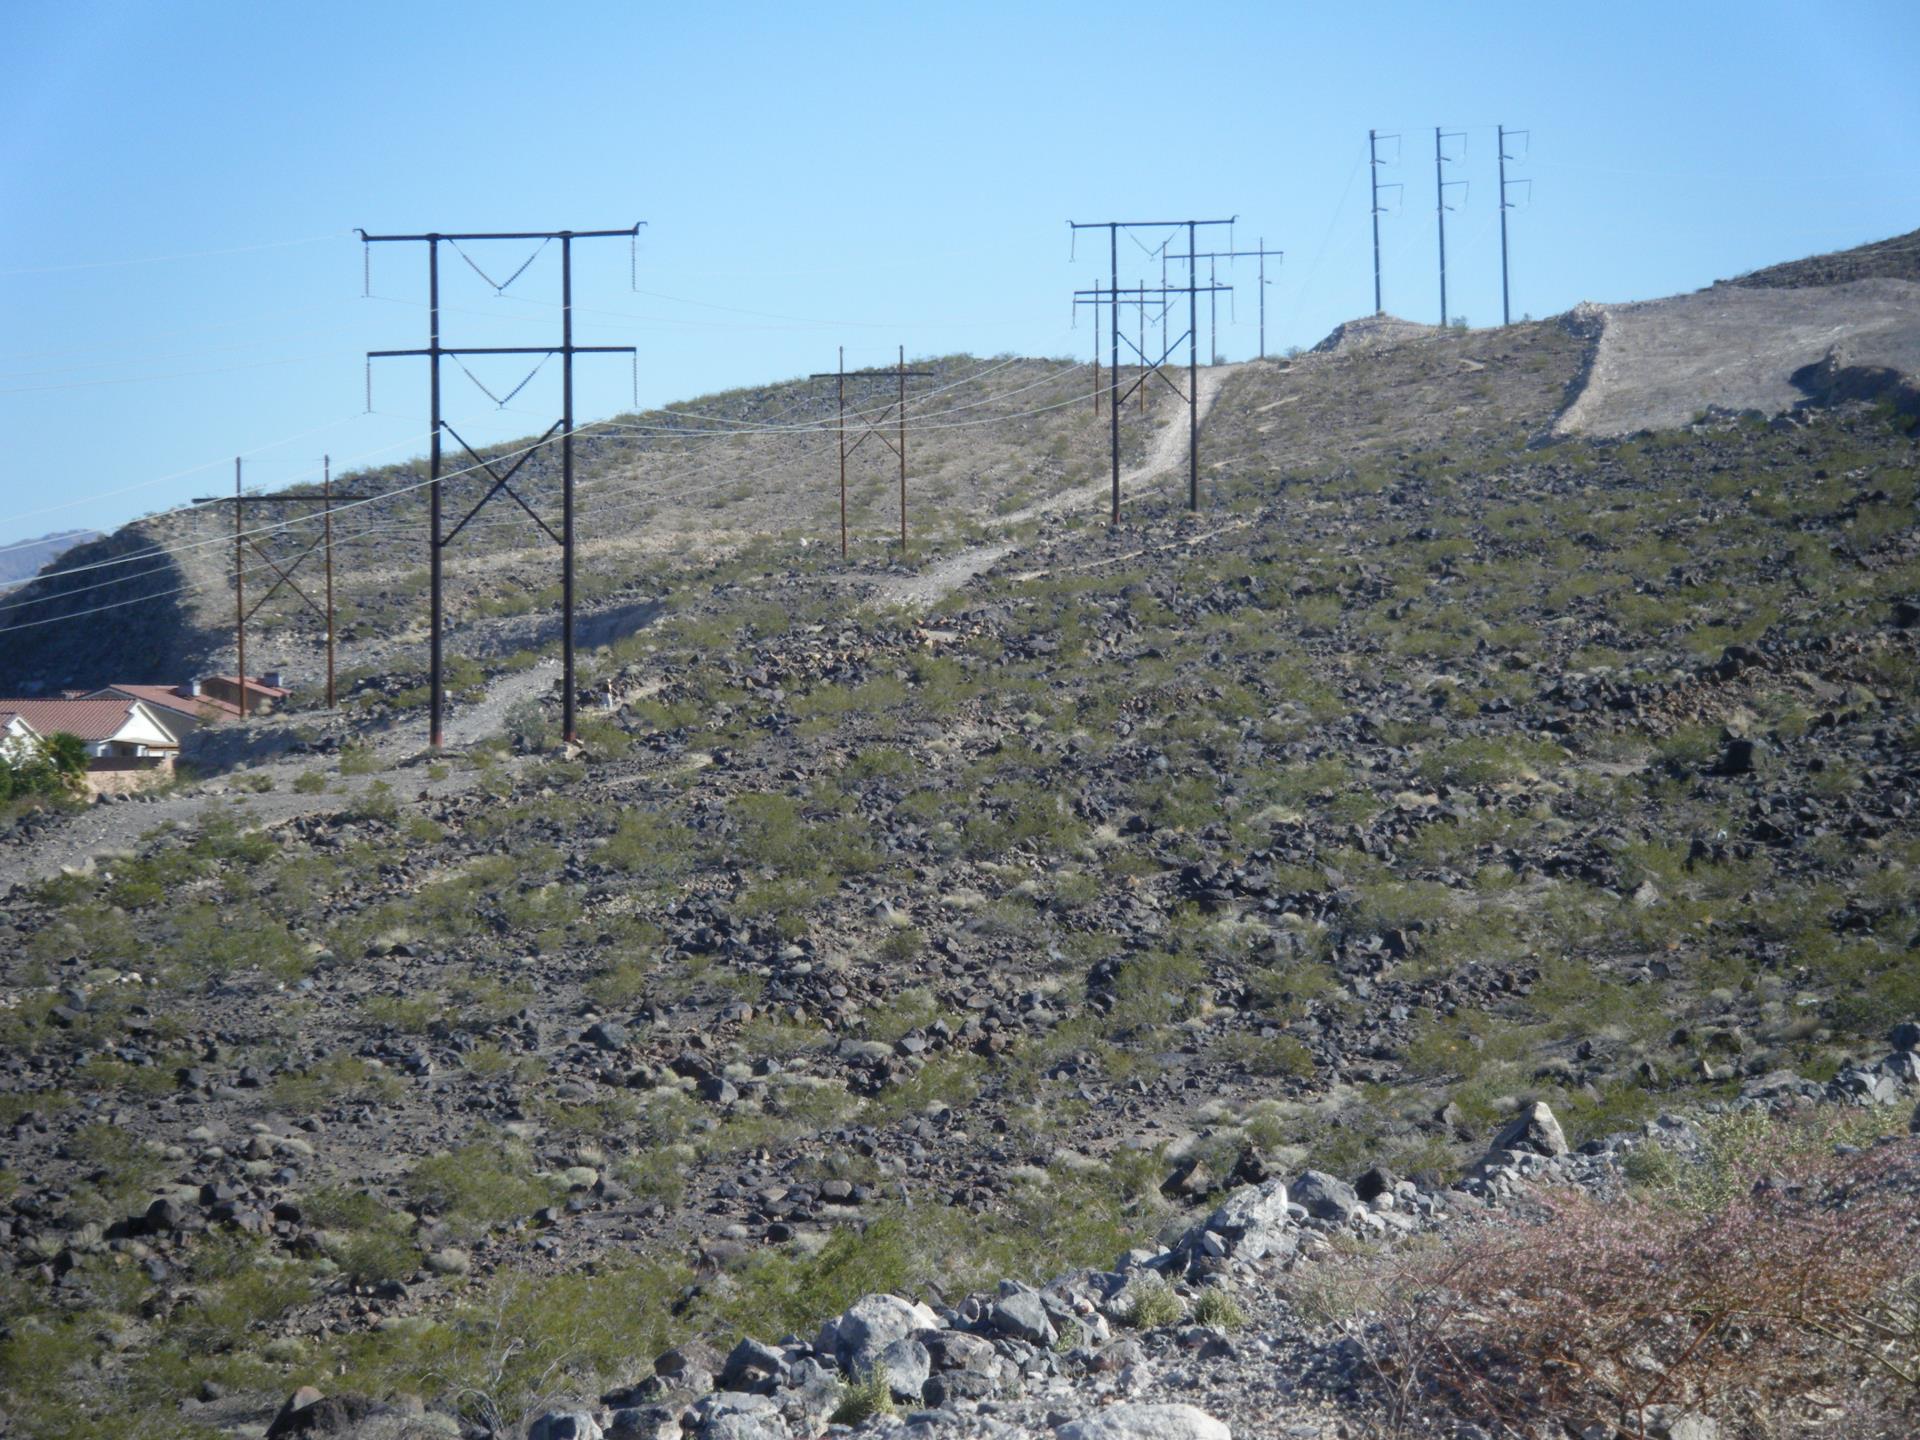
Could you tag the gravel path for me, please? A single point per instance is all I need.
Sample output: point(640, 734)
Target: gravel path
point(1661, 362)
point(943, 577)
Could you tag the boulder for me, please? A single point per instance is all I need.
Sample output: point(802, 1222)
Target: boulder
point(1023, 1316)
point(856, 1337)
point(907, 1367)
point(644, 1422)
point(1326, 1197)
point(308, 1412)
point(1145, 1422)
point(750, 1363)
point(1533, 1131)
point(1253, 1219)
point(565, 1425)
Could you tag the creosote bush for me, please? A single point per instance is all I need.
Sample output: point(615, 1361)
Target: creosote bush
point(1153, 1303)
point(1793, 1274)
point(866, 1397)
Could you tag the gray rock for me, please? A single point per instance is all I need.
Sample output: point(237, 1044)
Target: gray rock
point(1326, 1197)
point(1670, 1422)
point(1903, 1066)
point(1533, 1131)
point(730, 1415)
point(565, 1425)
point(1253, 1220)
point(907, 1367)
point(856, 1337)
point(644, 1422)
point(1145, 1422)
point(607, 1035)
point(1906, 1035)
point(957, 1350)
point(1876, 1087)
point(750, 1361)
point(736, 1426)
point(1022, 1316)
point(717, 1089)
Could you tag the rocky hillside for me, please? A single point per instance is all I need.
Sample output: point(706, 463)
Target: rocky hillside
point(23, 559)
point(698, 479)
point(1371, 958)
point(1897, 258)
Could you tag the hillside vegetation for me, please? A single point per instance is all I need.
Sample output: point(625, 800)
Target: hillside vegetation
point(1431, 771)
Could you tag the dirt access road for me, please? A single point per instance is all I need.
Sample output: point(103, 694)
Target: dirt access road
point(940, 579)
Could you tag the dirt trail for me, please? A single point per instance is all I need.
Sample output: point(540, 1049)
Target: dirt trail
point(945, 576)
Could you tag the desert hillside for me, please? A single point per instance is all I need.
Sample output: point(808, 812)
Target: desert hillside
point(1423, 944)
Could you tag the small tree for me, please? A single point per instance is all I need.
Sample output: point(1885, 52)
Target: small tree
point(56, 766)
point(66, 757)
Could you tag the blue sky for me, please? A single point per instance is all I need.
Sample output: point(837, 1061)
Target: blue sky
point(830, 174)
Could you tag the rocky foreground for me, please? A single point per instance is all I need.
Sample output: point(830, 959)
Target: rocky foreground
point(1264, 1318)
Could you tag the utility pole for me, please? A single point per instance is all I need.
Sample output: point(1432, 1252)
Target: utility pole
point(239, 592)
point(283, 569)
point(1262, 253)
point(1440, 184)
point(326, 513)
point(1141, 295)
point(566, 350)
point(1506, 308)
point(1112, 293)
point(1374, 162)
point(871, 427)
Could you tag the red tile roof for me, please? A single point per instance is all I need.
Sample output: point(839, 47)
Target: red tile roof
point(172, 697)
point(88, 719)
point(254, 687)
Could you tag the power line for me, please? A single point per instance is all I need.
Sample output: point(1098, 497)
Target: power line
point(1374, 162)
point(1192, 292)
point(1210, 256)
point(1440, 187)
point(1501, 136)
point(502, 482)
point(283, 570)
point(870, 426)
point(166, 259)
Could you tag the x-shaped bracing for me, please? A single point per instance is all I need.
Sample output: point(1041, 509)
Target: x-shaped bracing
point(502, 482)
point(286, 578)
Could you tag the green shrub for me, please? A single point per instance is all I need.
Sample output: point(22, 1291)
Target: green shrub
point(869, 1395)
point(1218, 1310)
point(1149, 1302)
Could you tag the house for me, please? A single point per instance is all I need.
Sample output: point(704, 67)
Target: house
point(264, 693)
point(128, 746)
point(18, 739)
point(185, 708)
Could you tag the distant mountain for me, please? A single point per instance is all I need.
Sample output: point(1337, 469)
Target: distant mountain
point(22, 560)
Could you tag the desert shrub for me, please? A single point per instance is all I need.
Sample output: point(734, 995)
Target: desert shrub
point(1150, 1302)
point(480, 1185)
point(866, 1397)
point(358, 759)
point(1268, 1054)
point(1218, 1309)
point(1795, 1267)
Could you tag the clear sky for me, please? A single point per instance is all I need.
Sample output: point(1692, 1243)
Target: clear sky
point(831, 174)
